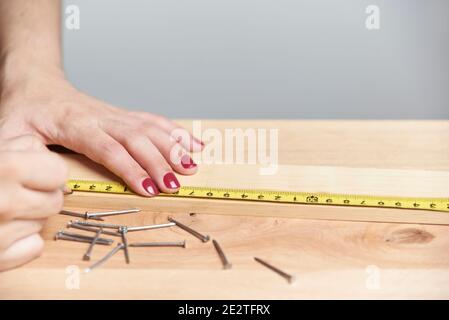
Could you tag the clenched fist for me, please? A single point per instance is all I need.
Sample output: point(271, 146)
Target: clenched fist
point(31, 179)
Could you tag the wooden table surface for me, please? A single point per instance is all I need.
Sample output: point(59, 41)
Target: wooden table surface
point(330, 259)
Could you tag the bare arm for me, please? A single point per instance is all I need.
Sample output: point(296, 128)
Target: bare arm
point(30, 39)
point(37, 100)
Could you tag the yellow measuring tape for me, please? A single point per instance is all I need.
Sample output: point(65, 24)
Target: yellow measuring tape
point(434, 204)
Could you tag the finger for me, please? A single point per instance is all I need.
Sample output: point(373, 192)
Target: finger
point(15, 230)
point(103, 149)
point(17, 202)
point(185, 138)
point(21, 252)
point(44, 171)
point(148, 156)
point(172, 151)
point(23, 143)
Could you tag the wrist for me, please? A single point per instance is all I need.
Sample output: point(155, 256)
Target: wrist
point(18, 68)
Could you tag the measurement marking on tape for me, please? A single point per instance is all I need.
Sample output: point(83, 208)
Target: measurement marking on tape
point(318, 198)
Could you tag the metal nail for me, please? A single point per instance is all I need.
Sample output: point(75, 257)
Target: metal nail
point(150, 227)
point(91, 215)
point(82, 236)
point(91, 229)
point(78, 215)
point(105, 258)
point(123, 231)
point(224, 260)
point(75, 235)
point(181, 244)
point(283, 274)
point(69, 238)
point(86, 256)
point(200, 236)
point(97, 225)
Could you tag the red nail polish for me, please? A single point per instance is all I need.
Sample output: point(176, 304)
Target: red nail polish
point(187, 162)
point(150, 186)
point(170, 181)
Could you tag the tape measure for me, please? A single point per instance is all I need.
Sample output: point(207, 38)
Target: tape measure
point(434, 204)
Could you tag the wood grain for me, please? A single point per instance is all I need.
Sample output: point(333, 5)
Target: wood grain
point(331, 259)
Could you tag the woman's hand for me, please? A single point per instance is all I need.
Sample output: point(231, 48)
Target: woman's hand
point(31, 179)
point(142, 148)
point(35, 99)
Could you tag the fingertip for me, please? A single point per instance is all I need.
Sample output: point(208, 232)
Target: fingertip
point(169, 183)
point(187, 165)
point(36, 246)
point(21, 252)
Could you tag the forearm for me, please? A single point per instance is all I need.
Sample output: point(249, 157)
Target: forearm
point(30, 39)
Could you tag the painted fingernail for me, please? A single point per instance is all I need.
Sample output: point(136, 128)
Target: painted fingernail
point(170, 181)
point(150, 187)
point(187, 162)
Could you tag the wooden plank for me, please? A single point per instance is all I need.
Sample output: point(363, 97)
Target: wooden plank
point(386, 144)
point(301, 178)
point(331, 259)
point(344, 180)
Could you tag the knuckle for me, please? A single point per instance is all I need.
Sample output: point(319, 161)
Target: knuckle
point(128, 169)
point(141, 128)
point(130, 172)
point(138, 114)
point(151, 131)
point(159, 119)
point(108, 148)
point(180, 135)
point(135, 139)
point(160, 163)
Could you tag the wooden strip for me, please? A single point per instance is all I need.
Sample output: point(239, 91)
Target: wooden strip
point(290, 178)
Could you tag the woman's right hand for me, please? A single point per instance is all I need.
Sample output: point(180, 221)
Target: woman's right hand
point(31, 179)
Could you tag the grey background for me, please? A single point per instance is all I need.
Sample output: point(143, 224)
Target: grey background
point(263, 58)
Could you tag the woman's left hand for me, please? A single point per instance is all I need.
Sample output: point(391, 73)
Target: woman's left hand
point(143, 149)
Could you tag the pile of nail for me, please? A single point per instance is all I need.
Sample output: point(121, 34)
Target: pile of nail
point(100, 228)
